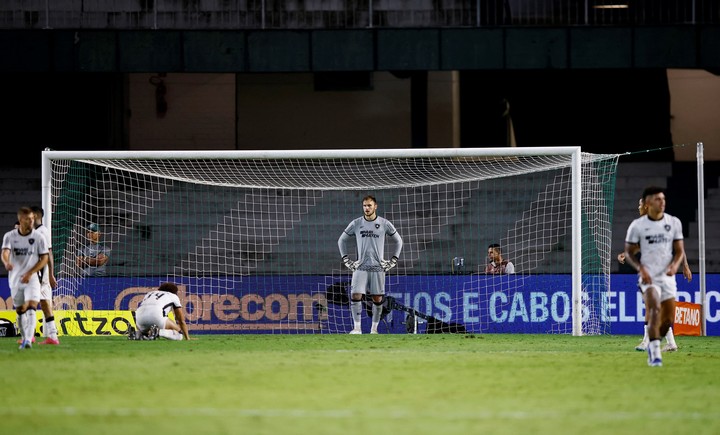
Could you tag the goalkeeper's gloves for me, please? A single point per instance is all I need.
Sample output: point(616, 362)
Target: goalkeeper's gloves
point(352, 265)
point(389, 264)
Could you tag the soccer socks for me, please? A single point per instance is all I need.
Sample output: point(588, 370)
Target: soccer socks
point(29, 323)
point(654, 354)
point(170, 334)
point(377, 310)
point(671, 337)
point(49, 328)
point(356, 311)
point(21, 326)
point(646, 338)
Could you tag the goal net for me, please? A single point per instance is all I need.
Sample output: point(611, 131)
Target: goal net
point(251, 237)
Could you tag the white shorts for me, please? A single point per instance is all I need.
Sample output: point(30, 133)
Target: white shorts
point(364, 282)
point(26, 292)
point(45, 292)
point(144, 319)
point(666, 286)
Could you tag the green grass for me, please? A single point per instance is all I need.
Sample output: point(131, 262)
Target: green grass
point(342, 384)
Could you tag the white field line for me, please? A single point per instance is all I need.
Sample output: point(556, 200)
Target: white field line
point(70, 411)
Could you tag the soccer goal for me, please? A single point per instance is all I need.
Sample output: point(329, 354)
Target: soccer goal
point(251, 237)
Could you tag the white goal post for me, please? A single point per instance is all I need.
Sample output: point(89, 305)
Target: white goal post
point(250, 237)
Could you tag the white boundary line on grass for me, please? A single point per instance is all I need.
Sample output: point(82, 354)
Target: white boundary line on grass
point(342, 414)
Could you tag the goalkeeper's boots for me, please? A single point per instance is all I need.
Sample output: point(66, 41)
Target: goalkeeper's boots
point(356, 331)
point(642, 347)
point(132, 333)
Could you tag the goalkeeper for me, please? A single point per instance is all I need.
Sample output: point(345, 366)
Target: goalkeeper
point(369, 270)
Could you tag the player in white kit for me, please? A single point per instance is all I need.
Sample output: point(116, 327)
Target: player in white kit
point(369, 270)
point(48, 282)
point(151, 316)
point(658, 237)
point(25, 255)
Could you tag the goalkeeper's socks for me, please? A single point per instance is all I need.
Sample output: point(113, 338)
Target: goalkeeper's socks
point(376, 313)
point(356, 311)
point(646, 337)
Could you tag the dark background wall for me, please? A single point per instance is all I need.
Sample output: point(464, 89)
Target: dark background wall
point(564, 74)
point(61, 111)
point(604, 111)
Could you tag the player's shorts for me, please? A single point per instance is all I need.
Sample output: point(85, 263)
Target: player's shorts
point(26, 292)
point(364, 282)
point(144, 319)
point(45, 292)
point(666, 286)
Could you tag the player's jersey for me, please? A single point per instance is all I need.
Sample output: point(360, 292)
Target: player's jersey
point(25, 252)
point(370, 238)
point(159, 301)
point(45, 272)
point(656, 241)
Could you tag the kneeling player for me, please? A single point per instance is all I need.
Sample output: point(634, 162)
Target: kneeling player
point(152, 318)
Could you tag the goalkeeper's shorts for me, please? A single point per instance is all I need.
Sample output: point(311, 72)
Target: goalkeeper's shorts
point(366, 282)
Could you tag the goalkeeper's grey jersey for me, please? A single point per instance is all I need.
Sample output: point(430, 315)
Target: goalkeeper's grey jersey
point(370, 238)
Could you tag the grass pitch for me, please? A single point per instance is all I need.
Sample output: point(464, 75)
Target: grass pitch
point(367, 384)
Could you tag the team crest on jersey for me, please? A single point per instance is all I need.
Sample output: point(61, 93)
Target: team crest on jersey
point(31, 241)
point(377, 226)
point(667, 227)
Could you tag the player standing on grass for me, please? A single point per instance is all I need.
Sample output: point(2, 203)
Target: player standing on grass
point(48, 282)
point(369, 269)
point(152, 318)
point(671, 345)
point(24, 255)
point(658, 236)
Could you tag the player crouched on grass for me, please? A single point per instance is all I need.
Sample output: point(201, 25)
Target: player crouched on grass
point(152, 318)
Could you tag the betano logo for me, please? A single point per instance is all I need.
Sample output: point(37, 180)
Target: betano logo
point(688, 318)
